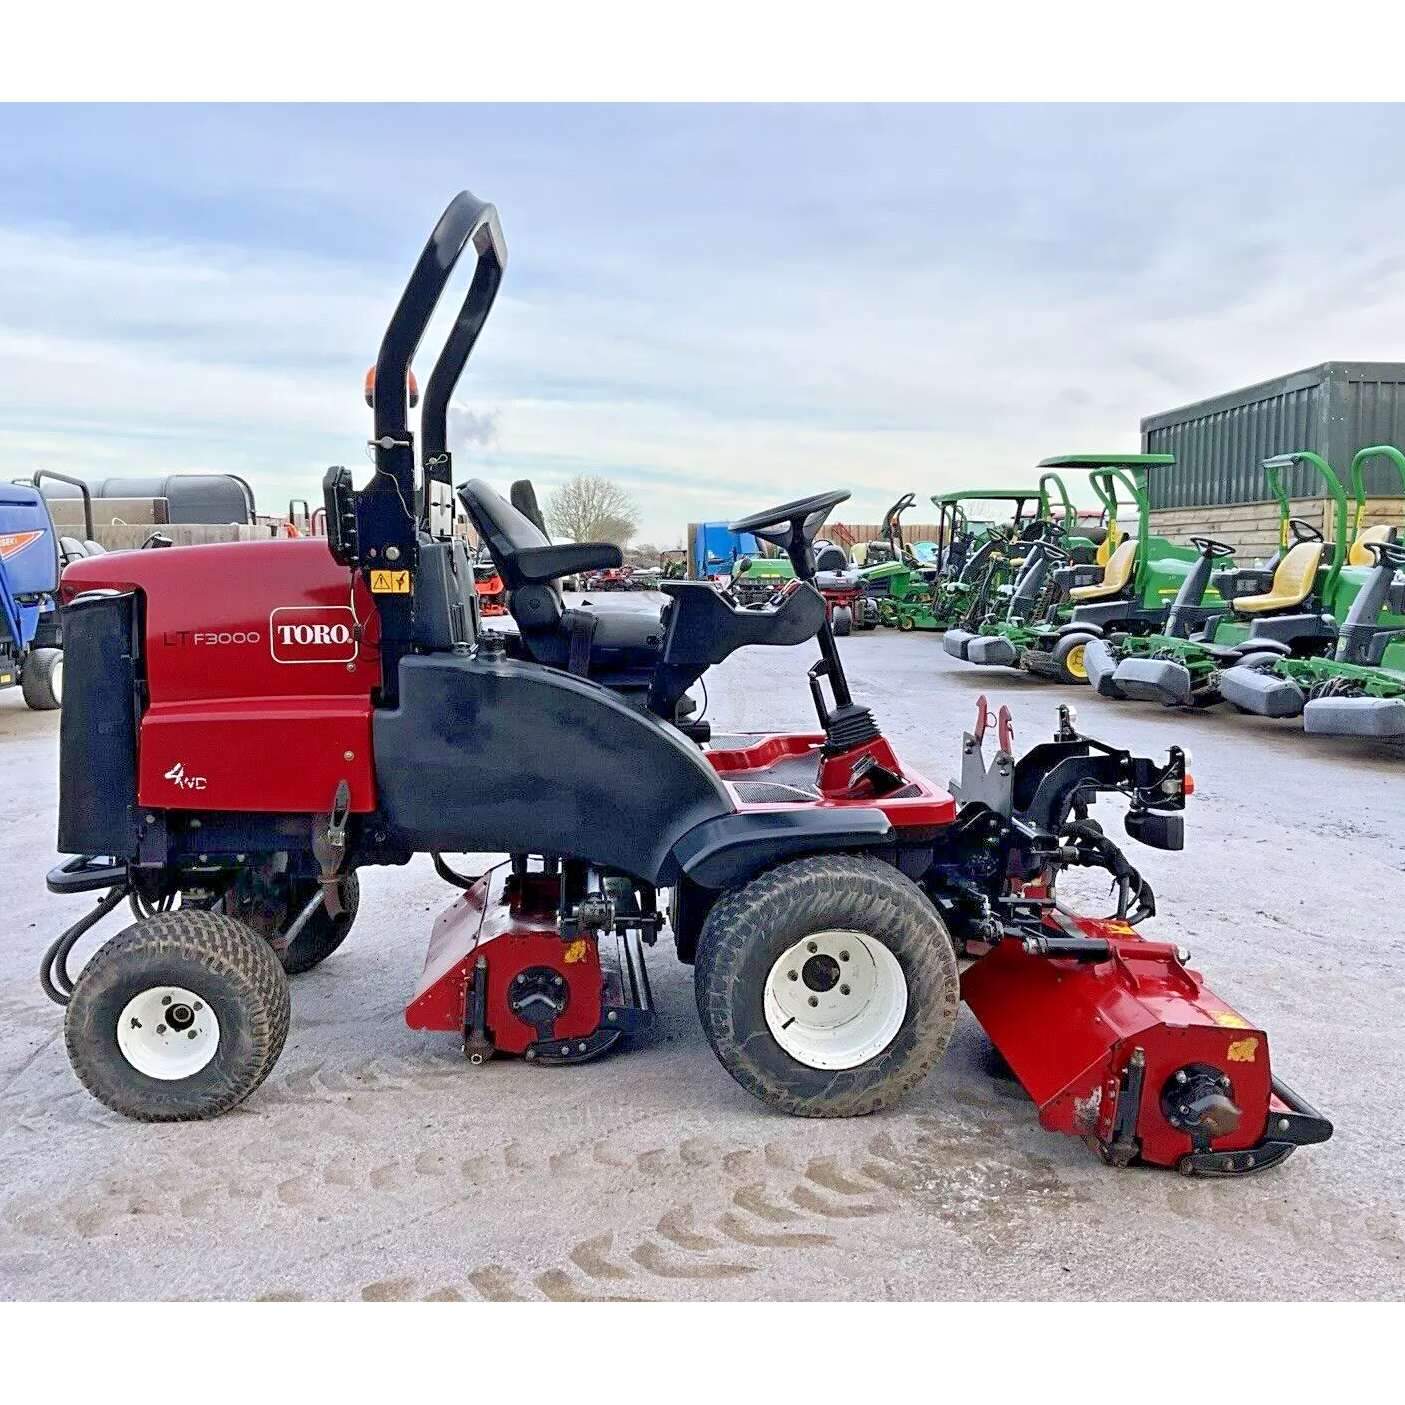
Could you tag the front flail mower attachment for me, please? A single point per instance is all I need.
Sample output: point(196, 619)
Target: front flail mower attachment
point(1114, 1037)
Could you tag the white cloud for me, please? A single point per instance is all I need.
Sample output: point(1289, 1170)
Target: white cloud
point(1009, 313)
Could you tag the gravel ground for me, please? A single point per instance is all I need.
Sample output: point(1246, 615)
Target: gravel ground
point(374, 1163)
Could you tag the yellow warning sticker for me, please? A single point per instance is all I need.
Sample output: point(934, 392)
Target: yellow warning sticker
point(1229, 1019)
point(390, 582)
point(1242, 1051)
point(575, 952)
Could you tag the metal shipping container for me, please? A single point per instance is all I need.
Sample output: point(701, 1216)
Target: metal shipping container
point(1220, 444)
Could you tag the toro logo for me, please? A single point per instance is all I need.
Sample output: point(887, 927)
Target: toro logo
point(312, 634)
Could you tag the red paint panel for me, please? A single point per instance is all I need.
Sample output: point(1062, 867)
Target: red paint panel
point(256, 754)
point(489, 920)
point(1068, 1028)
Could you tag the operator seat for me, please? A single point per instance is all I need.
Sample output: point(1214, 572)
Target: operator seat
point(1293, 579)
point(617, 646)
point(1357, 555)
point(1116, 574)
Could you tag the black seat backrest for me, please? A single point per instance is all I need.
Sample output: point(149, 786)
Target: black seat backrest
point(831, 558)
point(520, 549)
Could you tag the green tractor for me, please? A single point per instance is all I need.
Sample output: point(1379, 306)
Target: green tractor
point(757, 578)
point(1066, 595)
point(932, 585)
point(1290, 607)
point(1358, 688)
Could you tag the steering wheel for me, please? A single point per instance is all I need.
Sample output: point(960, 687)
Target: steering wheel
point(1303, 531)
point(1390, 554)
point(1208, 546)
point(809, 512)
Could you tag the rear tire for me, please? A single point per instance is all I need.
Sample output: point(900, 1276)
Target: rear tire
point(323, 933)
point(841, 620)
point(1068, 658)
point(178, 1018)
point(41, 680)
point(899, 966)
point(906, 622)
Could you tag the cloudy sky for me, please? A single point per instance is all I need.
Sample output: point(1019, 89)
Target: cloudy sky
point(720, 307)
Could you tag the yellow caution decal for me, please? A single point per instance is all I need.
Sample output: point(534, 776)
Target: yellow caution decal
point(575, 952)
point(390, 582)
point(1229, 1019)
point(1242, 1051)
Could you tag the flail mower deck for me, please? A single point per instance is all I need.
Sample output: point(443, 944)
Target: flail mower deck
point(827, 895)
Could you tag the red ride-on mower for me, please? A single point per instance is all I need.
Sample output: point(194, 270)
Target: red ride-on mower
point(827, 895)
point(841, 587)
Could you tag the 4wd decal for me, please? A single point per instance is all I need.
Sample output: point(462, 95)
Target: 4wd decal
point(177, 776)
point(313, 634)
point(12, 542)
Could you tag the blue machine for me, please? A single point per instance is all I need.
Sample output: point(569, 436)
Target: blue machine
point(715, 549)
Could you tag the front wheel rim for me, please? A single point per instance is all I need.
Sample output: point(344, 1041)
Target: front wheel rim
point(1076, 666)
point(835, 999)
point(56, 679)
point(168, 1033)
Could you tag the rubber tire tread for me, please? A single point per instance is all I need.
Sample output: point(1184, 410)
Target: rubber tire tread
point(845, 625)
point(323, 933)
point(750, 927)
point(1062, 650)
point(229, 964)
point(37, 679)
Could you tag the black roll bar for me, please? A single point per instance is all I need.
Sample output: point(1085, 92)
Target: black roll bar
point(466, 220)
point(78, 483)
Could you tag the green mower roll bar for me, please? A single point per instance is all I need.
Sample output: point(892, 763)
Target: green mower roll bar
point(1273, 472)
point(1104, 472)
point(1358, 487)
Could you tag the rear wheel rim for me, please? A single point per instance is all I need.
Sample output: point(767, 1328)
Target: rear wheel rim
point(56, 679)
point(1074, 661)
point(168, 1033)
point(835, 999)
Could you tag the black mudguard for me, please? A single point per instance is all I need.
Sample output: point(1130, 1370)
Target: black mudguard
point(510, 757)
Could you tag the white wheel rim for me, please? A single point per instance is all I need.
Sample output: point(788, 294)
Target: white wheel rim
point(835, 999)
point(168, 1032)
point(56, 679)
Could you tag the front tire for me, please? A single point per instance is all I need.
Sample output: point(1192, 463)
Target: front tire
point(841, 620)
point(1068, 658)
point(178, 1018)
point(828, 986)
point(41, 681)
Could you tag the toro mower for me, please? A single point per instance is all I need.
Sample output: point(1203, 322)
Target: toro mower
point(842, 588)
point(826, 894)
point(1285, 608)
point(1358, 689)
point(32, 556)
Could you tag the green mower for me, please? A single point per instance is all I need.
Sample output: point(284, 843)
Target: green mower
point(1358, 689)
point(1060, 604)
point(1290, 607)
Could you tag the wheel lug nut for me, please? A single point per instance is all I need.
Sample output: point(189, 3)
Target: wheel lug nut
point(191, 1034)
point(199, 1006)
point(165, 999)
point(814, 1000)
point(160, 1029)
point(843, 990)
point(793, 975)
point(811, 946)
point(843, 955)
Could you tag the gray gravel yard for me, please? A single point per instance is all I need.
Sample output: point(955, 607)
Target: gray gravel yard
point(375, 1163)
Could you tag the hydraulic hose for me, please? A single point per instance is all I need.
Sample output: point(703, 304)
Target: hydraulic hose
point(53, 969)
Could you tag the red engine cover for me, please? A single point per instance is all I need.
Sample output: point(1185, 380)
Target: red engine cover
point(260, 659)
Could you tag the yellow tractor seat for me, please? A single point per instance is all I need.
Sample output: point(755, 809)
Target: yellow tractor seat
point(1292, 582)
point(858, 554)
point(1116, 574)
point(1358, 555)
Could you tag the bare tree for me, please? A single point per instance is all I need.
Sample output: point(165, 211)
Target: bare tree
point(589, 508)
